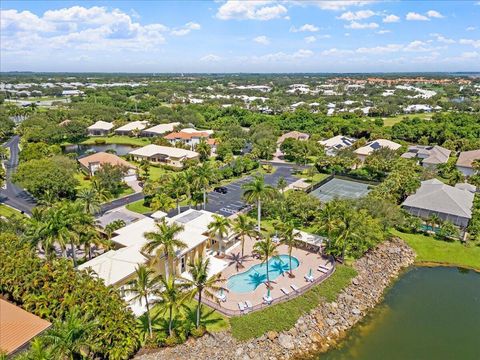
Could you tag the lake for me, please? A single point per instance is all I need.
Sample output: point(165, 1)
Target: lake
point(120, 150)
point(429, 313)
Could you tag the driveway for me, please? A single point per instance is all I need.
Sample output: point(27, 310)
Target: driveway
point(11, 194)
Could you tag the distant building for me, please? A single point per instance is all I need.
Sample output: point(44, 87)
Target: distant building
point(465, 161)
point(18, 327)
point(189, 137)
point(366, 150)
point(429, 156)
point(161, 129)
point(447, 202)
point(131, 127)
point(92, 163)
point(297, 135)
point(336, 143)
point(171, 156)
point(72, 93)
point(100, 128)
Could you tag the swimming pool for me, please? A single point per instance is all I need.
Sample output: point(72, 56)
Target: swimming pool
point(249, 280)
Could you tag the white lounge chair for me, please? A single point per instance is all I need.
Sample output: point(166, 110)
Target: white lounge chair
point(267, 299)
point(294, 287)
point(241, 306)
point(285, 291)
point(323, 267)
point(309, 278)
point(248, 304)
point(222, 297)
point(322, 270)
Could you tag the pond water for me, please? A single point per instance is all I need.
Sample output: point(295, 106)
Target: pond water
point(429, 313)
point(84, 149)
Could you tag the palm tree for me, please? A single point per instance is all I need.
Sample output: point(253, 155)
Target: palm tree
point(142, 287)
point(162, 202)
point(69, 338)
point(201, 283)
point(219, 228)
point(243, 226)
point(257, 191)
point(282, 184)
point(164, 241)
point(434, 220)
point(173, 296)
point(37, 351)
point(176, 186)
point(90, 200)
point(204, 175)
point(204, 149)
point(145, 167)
point(290, 238)
point(266, 249)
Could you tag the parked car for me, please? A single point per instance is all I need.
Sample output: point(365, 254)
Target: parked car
point(221, 189)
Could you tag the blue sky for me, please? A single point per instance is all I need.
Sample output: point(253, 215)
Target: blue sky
point(240, 36)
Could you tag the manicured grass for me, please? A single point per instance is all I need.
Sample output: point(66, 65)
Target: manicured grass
point(156, 172)
point(390, 121)
point(431, 250)
point(316, 178)
point(284, 316)
point(8, 211)
point(117, 139)
point(138, 207)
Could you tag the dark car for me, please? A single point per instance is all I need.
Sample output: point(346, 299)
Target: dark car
point(221, 189)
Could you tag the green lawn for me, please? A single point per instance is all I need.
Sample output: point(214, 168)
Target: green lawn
point(284, 316)
point(390, 121)
point(8, 211)
point(431, 250)
point(117, 139)
point(86, 184)
point(138, 207)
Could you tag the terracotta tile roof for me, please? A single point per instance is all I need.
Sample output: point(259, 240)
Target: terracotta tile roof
point(185, 136)
point(18, 327)
point(211, 141)
point(104, 158)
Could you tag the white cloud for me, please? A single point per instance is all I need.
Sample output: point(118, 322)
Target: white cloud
point(339, 4)
point(358, 15)
point(380, 49)
point(262, 39)
point(474, 43)
point(186, 29)
point(471, 28)
point(413, 16)
point(251, 10)
point(359, 26)
point(434, 14)
point(211, 58)
point(14, 21)
point(282, 57)
point(381, 32)
point(336, 52)
point(391, 18)
point(310, 39)
point(305, 28)
point(470, 55)
point(442, 39)
point(417, 45)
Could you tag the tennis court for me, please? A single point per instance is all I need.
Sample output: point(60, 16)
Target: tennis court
point(341, 189)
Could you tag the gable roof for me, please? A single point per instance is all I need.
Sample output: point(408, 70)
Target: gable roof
point(104, 158)
point(162, 128)
point(134, 125)
point(101, 125)
point(293, 135)
point(187, 135)
point(152, 149)
point(466, 158)
point(18, 327)
point(434, 195)
point(338, 142)
point(433, 154)
point(375, 145)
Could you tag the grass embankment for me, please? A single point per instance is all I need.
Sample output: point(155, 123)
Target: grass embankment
point(116, 139)
point(433, 251)
point(8, 211)
point(284, 316)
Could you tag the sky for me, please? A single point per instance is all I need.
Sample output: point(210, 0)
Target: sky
point(240, 36)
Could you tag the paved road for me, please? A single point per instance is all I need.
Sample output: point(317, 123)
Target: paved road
point(121, 202)
point(11, 194)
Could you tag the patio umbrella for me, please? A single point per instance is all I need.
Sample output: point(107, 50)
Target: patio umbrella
point(221, 291)
point(268, 293)
point(310, 272)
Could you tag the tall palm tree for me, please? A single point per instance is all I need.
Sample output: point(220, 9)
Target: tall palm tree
point(266, 249)
point(90, 200)
point(290, 238)
point(143, 286)
point(176, 186)
point(69, 338)
point(204, 149)
point(163, 241)
point(204, 175)
point(282, 184)
point(257, 191)
point(219, 228)
point(243, 226)
point(173, 296)
point(201, 283)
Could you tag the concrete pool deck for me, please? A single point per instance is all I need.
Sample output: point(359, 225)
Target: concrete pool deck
point(307, 261)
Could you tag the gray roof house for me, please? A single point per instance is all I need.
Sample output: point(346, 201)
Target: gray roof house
point(465, 161)
point(447, 202)
point(429, 156)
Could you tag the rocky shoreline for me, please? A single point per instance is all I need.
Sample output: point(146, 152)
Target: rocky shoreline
point(316, 331)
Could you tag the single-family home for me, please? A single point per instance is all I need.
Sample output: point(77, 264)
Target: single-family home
point(131, 128)
point(366, 150)
point(18, 327)
point(189, 137)
point(91, 164)
point(164, 155)
point(336, 143)
point(429, 156)
point(297, 135)
point(447, 202)
point(100, 128)
point(465, 161)
point(159, 130)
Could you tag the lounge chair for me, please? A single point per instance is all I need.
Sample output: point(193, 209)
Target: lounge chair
point(294, 287)
point(322, 270)
point(309, 278)
point(267, 299)
point(323, 267)
point(285, 291)
point(241, 306)
point(248, 304)
point(222, 297)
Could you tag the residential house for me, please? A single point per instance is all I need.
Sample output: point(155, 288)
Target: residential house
point(100, 128)
point(447, 202)
point(189, 137)
point(368, 149)
point(336, 143)
point(171, 156)
point(465, 161)
point(131, 128)
point(297, 135)
point(18, 327)
point(159, 130)
point(429, 156)
point(92, 163)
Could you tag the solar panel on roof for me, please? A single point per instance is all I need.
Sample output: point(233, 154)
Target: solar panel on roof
point(375, 146)
point(189, 217)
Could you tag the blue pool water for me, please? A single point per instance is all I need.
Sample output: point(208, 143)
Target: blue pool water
point(249, 280)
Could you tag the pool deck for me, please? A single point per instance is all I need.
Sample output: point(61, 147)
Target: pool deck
point(308, 260)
